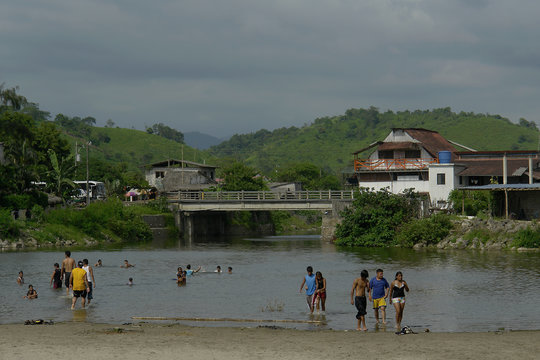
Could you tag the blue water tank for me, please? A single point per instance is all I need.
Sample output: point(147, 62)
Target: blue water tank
point(445, 157)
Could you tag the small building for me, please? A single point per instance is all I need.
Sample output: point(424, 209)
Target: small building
point(176, 175)
point(284, 187)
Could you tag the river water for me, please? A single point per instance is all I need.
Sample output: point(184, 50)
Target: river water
point(450, 290)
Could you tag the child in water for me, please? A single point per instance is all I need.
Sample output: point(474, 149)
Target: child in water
point(31, 294)
point(56, 277)
point(130, 281)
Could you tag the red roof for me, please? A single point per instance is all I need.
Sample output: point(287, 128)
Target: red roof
point(494, 167)
point(432, 141)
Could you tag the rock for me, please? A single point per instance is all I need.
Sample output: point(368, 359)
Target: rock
point(418, 246)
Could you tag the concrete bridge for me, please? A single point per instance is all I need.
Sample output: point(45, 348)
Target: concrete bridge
point(199, 212)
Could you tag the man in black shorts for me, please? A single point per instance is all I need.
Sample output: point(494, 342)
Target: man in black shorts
point(359, 287)
point(79, 283)
point(67, 266)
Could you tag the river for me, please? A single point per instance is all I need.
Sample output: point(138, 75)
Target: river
point(450, 290)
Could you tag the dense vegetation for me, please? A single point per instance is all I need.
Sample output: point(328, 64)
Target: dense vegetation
point(329, 141)
point(384, 219)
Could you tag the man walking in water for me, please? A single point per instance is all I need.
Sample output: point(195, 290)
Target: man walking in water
point(90, 279)
point(359, 287)
point(309, 282)
point(379, 293)
point(79, 283)
point(67, 266)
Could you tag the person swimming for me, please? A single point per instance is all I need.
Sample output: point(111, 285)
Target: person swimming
point(20, 279)
point(98, 264)
point(126, 265)
point(190, 272)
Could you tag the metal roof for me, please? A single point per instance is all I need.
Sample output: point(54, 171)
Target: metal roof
point(498, 187)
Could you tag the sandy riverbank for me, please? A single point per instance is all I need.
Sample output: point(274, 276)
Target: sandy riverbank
point(175, 341)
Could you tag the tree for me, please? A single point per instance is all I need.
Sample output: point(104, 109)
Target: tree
point(167, 132)
point(373, 218)
point(9, 99)
point(311, 176)
point(110, 123)
point(239, 176)
point(59, 176)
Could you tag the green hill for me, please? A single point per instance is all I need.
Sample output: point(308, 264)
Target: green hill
point(135, 147)
point(329, 141)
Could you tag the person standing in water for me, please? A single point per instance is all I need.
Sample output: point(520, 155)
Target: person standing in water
point(20, 279)
point(56, 277)
point(79, 283)
point(310, 287)
point(89, 279)
point(397, 294)
point(67, 267)
point(379, 293)
point(360, 285)
point(180, 276)
point(320, 293)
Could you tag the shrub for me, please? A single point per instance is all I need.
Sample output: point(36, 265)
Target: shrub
point(527, 238)
point(373, 218)
point(476, 202)
point(8, 226)
point(429, 230)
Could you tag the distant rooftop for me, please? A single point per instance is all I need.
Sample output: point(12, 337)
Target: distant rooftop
point(176, 162)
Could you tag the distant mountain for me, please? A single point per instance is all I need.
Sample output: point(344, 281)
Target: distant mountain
point(201, 141)
point(329, 141)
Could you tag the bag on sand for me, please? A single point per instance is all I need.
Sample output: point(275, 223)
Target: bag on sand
point(405, 330)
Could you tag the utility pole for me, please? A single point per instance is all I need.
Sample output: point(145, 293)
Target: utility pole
point(87, 176)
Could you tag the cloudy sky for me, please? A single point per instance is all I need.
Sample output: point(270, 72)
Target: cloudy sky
point(236, 66)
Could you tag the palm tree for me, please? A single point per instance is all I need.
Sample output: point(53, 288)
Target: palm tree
point(59, 182)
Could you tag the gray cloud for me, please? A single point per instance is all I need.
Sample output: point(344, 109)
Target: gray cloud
point(236, 66)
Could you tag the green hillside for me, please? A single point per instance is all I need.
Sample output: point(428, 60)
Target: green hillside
point(135, 147)
point(329, 141)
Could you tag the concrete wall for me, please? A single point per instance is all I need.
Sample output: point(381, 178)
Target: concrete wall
point(397, 187)
point(439, 192)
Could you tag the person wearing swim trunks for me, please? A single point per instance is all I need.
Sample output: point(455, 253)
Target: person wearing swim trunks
point(79, 284)
point(379, 292)
point(360, 285)
point(310, 287)
point(56, 277)
point(90, 279)
point(397, 294)
point(67, 266)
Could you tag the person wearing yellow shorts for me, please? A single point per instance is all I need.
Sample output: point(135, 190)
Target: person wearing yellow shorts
point(379, 292)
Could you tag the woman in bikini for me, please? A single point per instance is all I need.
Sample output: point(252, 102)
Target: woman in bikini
point(320, 294)
point(397, 294)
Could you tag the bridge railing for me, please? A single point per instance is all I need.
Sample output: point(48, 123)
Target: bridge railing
point(311, 195)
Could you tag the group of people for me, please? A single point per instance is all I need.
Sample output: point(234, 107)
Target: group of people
point(181, 274)
point(377, 288)
point(315, 286)
point(78, 277)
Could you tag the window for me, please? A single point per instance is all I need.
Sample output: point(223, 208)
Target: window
point(412, 154)
point(441, 179)
point(388, 154)
point(160, 174)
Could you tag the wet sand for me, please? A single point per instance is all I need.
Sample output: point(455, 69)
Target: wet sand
point(175, 341)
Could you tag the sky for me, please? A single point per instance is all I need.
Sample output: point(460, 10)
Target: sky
point(236, 66)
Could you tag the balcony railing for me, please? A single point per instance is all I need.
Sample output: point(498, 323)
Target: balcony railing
point(393, 164)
